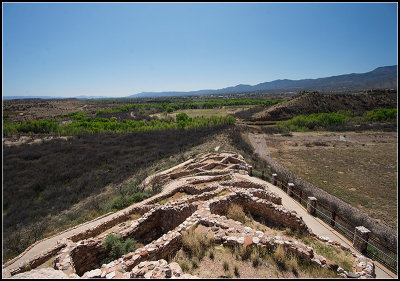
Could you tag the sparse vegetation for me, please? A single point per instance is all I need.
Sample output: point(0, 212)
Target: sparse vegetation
point(211, 255)
point(343, 258)
point(334, 170)
point(195, 243)
point(236, 271)
point(225, 265)
point(42, 180)
point(280, 258)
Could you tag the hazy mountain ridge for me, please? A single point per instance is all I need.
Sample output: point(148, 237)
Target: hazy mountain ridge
point(382, 78)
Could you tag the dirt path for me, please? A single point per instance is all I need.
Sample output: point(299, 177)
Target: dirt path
point(317, 226)
point(259, 143)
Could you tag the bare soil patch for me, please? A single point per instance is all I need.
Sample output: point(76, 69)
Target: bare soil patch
point(36, 109)
point(359, 168)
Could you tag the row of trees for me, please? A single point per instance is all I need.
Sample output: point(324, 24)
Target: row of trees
point(83, 124)
point(325, 120)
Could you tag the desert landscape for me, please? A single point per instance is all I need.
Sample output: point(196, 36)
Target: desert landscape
point(199, 140)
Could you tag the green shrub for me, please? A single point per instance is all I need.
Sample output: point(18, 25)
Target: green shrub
point(313, 121)
point(182, 117)
point(324, 120)
point(116, 247)
point(381, 114)
point(123, 201)
point(77, 115)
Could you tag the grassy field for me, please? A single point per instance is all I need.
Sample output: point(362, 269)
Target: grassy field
point(224, 111)
point(361, 170)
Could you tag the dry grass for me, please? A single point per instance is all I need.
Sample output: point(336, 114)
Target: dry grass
point(238, 262)
point(236, 271)
point(280, 258)
point(225, 265)
point(195, 243)
point(236, 213)
point(343, 258)
point(222, 193)
point(283, 260)
point(362, 173)
point(176, 196)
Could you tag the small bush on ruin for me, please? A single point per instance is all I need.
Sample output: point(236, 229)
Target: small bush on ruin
point(123, 201)
point(116, 247)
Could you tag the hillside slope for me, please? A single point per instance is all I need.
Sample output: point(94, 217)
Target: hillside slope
point(307, 103)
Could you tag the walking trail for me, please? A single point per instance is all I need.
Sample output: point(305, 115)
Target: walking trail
point(316, 225)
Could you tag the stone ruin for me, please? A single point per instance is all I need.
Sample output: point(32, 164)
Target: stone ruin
point(213, 183)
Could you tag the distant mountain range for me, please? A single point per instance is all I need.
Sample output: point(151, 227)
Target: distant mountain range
point(380, 78)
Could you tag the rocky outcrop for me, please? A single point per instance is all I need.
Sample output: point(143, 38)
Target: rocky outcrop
point(159, 269)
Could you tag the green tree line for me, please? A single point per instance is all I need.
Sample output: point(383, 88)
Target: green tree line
point(323, 120)
point(83, 124)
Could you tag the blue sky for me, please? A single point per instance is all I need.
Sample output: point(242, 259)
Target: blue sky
point(107, 49)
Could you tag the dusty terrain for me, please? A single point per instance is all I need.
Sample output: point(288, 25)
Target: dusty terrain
point(357, 167)
point(23, 110)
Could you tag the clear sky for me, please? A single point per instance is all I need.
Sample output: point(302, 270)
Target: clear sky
point(120, 49)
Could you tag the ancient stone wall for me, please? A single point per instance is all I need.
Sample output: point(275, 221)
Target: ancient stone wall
point(161, 226)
